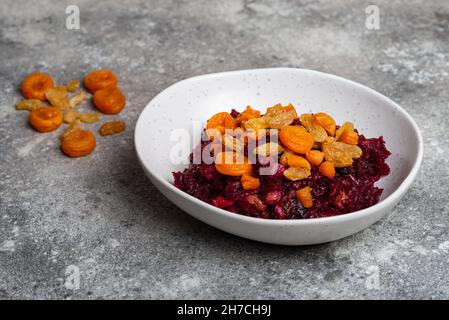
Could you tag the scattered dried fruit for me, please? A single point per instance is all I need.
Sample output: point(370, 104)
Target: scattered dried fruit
point(294, 160)
point(304, 196)
point(327, 169)
point(315, 157)
point(35, 85)
point(112, 127)
point(268, 149)
point(72, 85)
point(89, 117)
point(326, 121)
point(100, 79)
point(45, 119)
point(249, 182)
point(278, 117)
point(349, 137)
point(255, 124)
point(295, 173)
point(109, 100)
point(248, 114)
point(78, 143)
point(70, 115)
point(296, 138)
point(228, 163)
point(346, 126)
point(318, 133)
point(339, 153)
point(78, 99)
point(57, 97)
point(29, 104)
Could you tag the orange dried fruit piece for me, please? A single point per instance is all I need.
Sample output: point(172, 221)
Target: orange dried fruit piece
point(70, 115)
point(339, 153)
point(249, 182)
point(89, 117)
point(112, 127)
point(228, 163)
point(315, 157)
point(346, 126)
point(109, 100)
point(291, 108)
point(278, 117)
point(317, 131)
point(29, 104)
point(326, 121)
point(304, 196)
point(295, 173)
point(45, 119)
point(349, 137)
point(35, 85)
point(284, 157)
point(294, 160)
point(100, 79)
point(327, 169)
point(221, 121)
point(248, 114)
point(57, 97)
point(72, 85)
point(78, 143)
point(78, 99)
point(296, 138)
point(268, 149)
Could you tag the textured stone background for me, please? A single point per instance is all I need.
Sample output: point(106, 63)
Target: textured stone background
point(101, 214)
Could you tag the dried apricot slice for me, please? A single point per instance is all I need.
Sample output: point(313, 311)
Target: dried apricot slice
point(221, 121)
point(45, 119)
point(327, 169)
point(295, 173)
point(296, 138)
point(249, 182)
point(349, 137)
point(112, 127)
point(248, 114)
point(304, 196)
point(318, 133)
point(109, 100)
point(78, 143)
point(326, 121)
point(100, 79)
point(315, 157)
point(35, 85)
point(226, 163)
point(294, 160)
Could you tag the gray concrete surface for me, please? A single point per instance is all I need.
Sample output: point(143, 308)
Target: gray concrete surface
point(100, 213)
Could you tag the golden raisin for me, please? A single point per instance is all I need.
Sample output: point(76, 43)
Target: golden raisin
point(112, 127)
point(30, 104)
point(89, 117)
point(72, 85)
point(296, 173)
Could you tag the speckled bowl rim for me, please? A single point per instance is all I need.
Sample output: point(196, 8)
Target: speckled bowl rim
point(394, 196)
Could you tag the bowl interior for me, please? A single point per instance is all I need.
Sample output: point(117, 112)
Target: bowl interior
point(198, 98)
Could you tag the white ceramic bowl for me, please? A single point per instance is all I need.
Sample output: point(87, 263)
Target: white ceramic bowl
point(200, 97)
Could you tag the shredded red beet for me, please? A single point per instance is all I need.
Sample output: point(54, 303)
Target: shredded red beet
point(351, 189)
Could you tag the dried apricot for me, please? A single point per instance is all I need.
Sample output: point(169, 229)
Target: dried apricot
point(112, 127)
point(296, 138)
point(45, 119)
point(248, 114)
point(89, 117)
point(327, 169)
point(249, 182)
point(29, 104)
point(221, 121)
point(315, 157)
point(57, 97)
point(78, 143)
point(100, 79)
point(109, 100)
point(72, 85)
point(295, 173)
point(35, 85)
point(318, 133)
point(294, 160)
point(226, 163)
point(326, 121)
point(349, 137)
point(304, 196)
